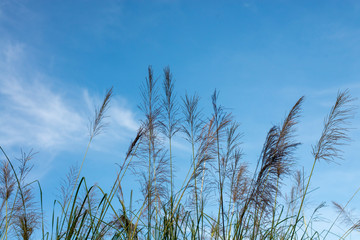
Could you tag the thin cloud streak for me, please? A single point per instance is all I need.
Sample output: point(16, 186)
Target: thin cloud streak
point(35, 114)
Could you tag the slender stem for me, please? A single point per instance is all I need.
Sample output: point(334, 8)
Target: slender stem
point(220, 182)
point(303, 198)
point(274, 209)
point(171, 188)
point(6, 216)
point(77, 178)
point(195, 179)
point(340, 213)
point(17, 180)
point(149, 192)
point(171, 173)
point(202, 199)
point(156, 197)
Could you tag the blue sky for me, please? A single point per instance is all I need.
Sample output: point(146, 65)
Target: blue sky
point(57, 58)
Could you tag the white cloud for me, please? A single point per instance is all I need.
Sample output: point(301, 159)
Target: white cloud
point(35, 113)
point(32, 112)
point(123, 117)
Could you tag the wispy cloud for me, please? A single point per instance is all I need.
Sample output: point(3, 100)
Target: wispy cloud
point(123, 117)
point(32, 112)
point(120, 120)
point(36, 114)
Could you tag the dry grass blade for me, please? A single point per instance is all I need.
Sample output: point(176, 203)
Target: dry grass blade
point(154, 193)
point(221, 121)
point(347, 218)
point(24, 166)
point(27, 216)
point(7, 186)
point(232, 146)
point(239, 183)
point(206, 149)
point(235, 171)
point(356, 226)
point(97, 125)
point(161, 178)
point(286, 144)
point(7, 182)
point(345, 215)
point(221, 118)
point(265, 185)
point(218, 198)
point(170, 122)
point(334, 134)
point(151, 156)
point(132, 148)
point(150, 101)
point(127, 226)
point(335, 129)
point(295, 193)
point(276, 157)
point(192, 123)
point(68, 184)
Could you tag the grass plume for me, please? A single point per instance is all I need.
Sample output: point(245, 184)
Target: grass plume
point(221, 196)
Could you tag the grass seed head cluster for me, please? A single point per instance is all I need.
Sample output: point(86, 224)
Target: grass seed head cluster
point(248, 205)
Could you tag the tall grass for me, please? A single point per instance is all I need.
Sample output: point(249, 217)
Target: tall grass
point(218, 198)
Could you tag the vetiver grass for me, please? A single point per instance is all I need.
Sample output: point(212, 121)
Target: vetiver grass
point(218, 198)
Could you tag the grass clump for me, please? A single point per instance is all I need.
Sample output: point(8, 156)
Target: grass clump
point(219, 198)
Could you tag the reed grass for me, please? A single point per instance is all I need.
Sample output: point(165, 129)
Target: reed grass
point(219, 197)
